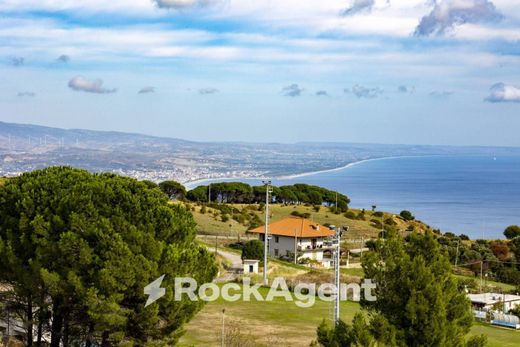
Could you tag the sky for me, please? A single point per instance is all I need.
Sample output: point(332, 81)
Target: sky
point(373, 71)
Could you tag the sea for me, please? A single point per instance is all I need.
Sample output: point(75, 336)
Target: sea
point(474, 195)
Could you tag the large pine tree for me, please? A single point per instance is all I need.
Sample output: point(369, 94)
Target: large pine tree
point(79, 248)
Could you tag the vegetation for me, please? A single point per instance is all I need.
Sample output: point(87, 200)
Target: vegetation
point(253, 249)
point(407, 215)
point(242, 193)
point(512, 231)
point(419, 302)
point(499, 260)
point(289, 325)
point(174, 190)
point(243, 217)
point(79, 248)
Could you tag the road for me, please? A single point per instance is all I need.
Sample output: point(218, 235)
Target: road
point(236, 265)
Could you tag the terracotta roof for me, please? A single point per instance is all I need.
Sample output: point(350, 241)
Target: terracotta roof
point(295, 225)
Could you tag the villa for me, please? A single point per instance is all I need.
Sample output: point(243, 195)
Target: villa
point(299, 236)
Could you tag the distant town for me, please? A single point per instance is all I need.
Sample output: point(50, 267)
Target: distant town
point(26, 148)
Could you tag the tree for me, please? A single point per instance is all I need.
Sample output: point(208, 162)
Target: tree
point(416, 292)
point(199, 194)
point(88, 244)
point(407, 215)
point(174, 190)
point(253, 249)
point(512, 231)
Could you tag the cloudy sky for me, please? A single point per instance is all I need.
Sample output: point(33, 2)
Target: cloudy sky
point(385, 71)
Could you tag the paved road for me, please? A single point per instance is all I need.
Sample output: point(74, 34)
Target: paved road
point(236, 265)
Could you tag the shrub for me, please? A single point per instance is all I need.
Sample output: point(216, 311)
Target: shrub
point(350, 215)
point(253, 249)
point(407, 215)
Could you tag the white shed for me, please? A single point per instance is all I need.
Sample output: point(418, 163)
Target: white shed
point(251, 266)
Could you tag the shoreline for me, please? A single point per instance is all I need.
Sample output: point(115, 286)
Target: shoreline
point(195, 183)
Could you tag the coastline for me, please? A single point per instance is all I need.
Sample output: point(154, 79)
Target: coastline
point(195, 183)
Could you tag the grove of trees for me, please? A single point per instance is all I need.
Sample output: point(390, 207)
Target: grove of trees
point(242, 193)
point(79, 248)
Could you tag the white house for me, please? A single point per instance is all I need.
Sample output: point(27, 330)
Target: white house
point(299, 236)
point(486, 301)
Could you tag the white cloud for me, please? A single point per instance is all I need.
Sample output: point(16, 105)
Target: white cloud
point(446, 14)
point(16, 61)
point(501, 92)
point(322, 93)
point(207, 91)
point(364, 92)
point(359, 6)
point(182, 4)
point(441, 94)
point(63, 58)
point(79, 83)
point(292, 90)
point(26, 94)
point(146, 90)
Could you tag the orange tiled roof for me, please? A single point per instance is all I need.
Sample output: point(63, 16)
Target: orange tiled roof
point(295, 225)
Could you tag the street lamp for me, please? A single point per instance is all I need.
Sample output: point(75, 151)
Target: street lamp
point(268, 190)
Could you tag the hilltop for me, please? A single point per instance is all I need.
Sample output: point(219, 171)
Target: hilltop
point(216, 219)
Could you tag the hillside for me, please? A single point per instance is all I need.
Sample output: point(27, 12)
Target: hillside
point(214, 221)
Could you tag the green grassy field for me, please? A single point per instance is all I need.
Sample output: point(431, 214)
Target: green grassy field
point(282, 323)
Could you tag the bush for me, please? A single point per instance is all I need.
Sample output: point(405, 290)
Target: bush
point(407, 215)
point(378, 214)
point(253, 249)
point(350, 215)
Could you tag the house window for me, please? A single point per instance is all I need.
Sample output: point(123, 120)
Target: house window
point(276, 252)
point(276, 239)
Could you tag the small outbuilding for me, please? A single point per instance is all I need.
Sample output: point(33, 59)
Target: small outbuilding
point(250, 266)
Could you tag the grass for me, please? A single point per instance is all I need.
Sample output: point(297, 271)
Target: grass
point(497, 337)
point(208, 223)
point(279, 321)
point(285, 324)
point(488, 283)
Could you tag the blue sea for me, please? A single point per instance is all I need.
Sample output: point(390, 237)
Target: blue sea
point(475, 195)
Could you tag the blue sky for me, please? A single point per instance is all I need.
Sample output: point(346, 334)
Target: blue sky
point(415, 71)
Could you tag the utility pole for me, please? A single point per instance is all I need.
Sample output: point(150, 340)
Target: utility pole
point(223, 333)
point(295, 246)
point(481, 274)
point(266, 233)
point(457, 255)
point(336, 242)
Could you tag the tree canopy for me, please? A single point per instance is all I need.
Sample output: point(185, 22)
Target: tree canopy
point(242, 193)
point(253, 249)
point(79, 248)
point(419, 302)
point(174, 190)
point(512, 231)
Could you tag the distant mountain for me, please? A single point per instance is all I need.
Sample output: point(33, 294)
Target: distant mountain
point(25, 147)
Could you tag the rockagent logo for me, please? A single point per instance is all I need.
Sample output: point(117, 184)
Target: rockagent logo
point(303, 295)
